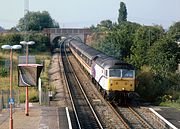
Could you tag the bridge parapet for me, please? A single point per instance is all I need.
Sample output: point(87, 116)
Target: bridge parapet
point(67, 31)
point(55, 32)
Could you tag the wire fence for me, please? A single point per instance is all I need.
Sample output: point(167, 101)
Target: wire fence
point(5, 95)
point(4, 98)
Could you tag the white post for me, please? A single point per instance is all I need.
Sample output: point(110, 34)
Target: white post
point(40, 91)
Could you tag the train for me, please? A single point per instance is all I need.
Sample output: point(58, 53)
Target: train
point(114, 78)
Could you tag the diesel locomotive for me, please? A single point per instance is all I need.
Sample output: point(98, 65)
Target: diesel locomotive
point(113, 77)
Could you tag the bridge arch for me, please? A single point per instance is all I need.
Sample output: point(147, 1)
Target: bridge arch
point(54, 33)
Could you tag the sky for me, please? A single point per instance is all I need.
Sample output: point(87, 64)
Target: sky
point(84, 13)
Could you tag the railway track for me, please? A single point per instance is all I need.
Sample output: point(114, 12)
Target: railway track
point(110, 118)
point(132, 118)
point(84, 114)
point(128, 117)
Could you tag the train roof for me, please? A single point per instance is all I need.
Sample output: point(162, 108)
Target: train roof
point(86, 50)
point(105, 61)
point(108, 62)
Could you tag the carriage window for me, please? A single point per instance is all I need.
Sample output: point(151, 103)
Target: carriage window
point(127, 73)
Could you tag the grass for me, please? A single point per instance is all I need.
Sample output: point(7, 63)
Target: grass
point(171, 104)
point(33, 92)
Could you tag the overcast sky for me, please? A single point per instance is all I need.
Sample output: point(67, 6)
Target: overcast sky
point(84, 13)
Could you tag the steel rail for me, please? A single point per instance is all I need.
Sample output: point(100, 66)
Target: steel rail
point(70, 95)
point(87, 100)
point(144, 123)
point(119, 116)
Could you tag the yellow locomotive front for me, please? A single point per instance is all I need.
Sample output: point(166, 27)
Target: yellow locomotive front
point(121, 80)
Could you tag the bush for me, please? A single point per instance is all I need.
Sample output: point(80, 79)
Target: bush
point(146, 85)
point(33, 96)
point(154, 87)
point(4, 72)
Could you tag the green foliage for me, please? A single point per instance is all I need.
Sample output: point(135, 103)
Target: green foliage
point(144, 38)
point(171, 104)
point(174, 31)
point(36, 21)
point(163, 56)
point(33, 96)
point(10, 38)
point(119, 39)
point(151, 86)
point(146, 85)
point(122, 13)
point(42, 42)
point(3, 72)
point(104, 26)
point(154, 52)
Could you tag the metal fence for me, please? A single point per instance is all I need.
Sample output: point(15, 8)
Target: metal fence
point(44, 98)
point(4, 98)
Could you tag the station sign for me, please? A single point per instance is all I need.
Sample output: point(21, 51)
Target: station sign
point(11, 101)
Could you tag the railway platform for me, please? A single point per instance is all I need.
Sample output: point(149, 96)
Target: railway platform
point(172, 115)
point(40, 117)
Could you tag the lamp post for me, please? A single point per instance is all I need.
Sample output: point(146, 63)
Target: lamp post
point(27, 101)
point(8, 47)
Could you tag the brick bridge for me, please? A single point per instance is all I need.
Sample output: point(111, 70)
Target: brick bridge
point(56, 33)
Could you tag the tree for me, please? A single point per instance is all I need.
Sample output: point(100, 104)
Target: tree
point(36, 21)
point(119, 40)
point(144, 38)
point(105, 25)
point(42, 41)
point(122, 13)
point(10, 38)
point(163, 56)
point(174, 31)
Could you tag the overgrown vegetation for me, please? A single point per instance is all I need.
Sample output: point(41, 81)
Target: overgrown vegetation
point(152, 50)
point(36, 21)
point(41, 41)
point(32, 23)
point(4, 75)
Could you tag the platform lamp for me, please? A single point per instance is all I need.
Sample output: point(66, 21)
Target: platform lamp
point(26, 44)
point(11, 100)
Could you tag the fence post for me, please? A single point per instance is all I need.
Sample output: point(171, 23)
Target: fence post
point(18, 97)
point(1, 105)
point(2, 99)
point(7, 98)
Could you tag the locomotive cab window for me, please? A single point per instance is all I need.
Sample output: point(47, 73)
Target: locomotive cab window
point(114, 73)
point(127, 73)
point(123, 73)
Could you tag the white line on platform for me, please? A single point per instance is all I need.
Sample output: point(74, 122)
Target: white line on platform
point(69, 119)
point(162, 118)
